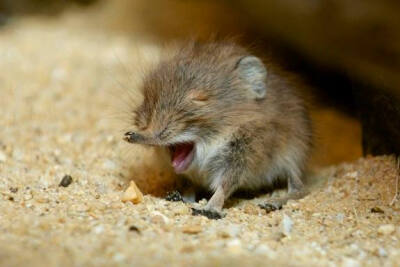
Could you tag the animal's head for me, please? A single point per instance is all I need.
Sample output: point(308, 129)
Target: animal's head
point(196, 94)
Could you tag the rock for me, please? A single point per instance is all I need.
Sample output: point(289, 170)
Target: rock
point(134, 228)
point(386, 229)
point(109, 165)
point(340, 217)
point(18, 155)
point(66, 181)
point(382, 252)
point(230, 230)
point(263, 249)
point(181, 210)
point(234, 246)
point(352, 174)
point(192, 229)
point(28, 196)
point(3, 157)
point(348, 262)
point(287, 224)
point(159, 218)
point(98, 229)
point(132, 194)
point(377, 210)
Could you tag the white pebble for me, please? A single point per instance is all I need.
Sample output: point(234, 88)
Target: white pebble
point(58, 74)
point(158, 217)
point(18, 154)
point(234, 246)
point(287, 224)
point(109, 165)
point(231, 230)
point(119, 257)
point(347, 262)
point(3, 157)
point(234, 242)
point(28, 196)
point(265, 250)
point(352, 174)
point(386, 229)
point(98, 229)
point(340, 217)
point(382, 252)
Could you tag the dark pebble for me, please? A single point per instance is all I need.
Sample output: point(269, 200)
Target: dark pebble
point(133, 228)
point(377, 210)
point(268, 207)
point(174, 196)
point(207, 213)
point(66, 181)
point(13, 189)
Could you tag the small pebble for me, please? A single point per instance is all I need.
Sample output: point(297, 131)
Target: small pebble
point(230, 230)
point(181, 210)
point(14, 189)
point(119, 257)
point(109, 165)
point(28, 196)
point(352, 174)
point(382, 252)
point(159, 218)
point(66, 181)
point(340, 217)
point(18, 154)
point(287, 224)
point(192, 229)
point(386, 229)
point(377, 210)
point(234, 246)
point(133, 228)
point(3, 157)
point(265, 250)
point(132, 194)
point(98, 229)
point(348, 262)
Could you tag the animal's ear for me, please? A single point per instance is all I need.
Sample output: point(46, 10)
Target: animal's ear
point(252, 71)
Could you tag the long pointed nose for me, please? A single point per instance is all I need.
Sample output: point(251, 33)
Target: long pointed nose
point(132, 137)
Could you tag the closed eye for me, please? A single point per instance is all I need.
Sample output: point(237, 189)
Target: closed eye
point(163, 132)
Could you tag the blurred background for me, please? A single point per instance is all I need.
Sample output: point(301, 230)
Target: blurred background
point(347, 53)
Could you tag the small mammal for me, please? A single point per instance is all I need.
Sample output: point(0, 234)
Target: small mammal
point(229, 121)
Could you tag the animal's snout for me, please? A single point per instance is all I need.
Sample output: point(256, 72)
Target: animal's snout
point(132, 137)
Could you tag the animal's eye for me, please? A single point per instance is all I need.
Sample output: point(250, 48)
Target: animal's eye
point(198, 96)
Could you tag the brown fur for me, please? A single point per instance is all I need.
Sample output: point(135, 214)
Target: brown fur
point(207, 94)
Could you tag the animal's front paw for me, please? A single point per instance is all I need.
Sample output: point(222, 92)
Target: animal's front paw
point(210, 214)
point(271, 205)
point(174, 196)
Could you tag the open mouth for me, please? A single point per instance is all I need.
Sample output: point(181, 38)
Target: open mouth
point(181, 156)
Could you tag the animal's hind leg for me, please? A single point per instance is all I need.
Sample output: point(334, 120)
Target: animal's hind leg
point(296, 190)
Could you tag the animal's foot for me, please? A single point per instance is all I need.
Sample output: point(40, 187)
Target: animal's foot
point(210, 214)
point(273, 204)
point(174, 196)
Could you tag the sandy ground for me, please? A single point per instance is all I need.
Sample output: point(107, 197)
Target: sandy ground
point(55, 81)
